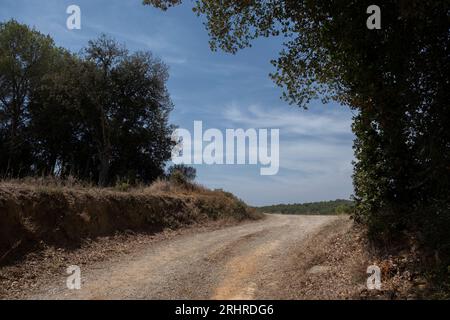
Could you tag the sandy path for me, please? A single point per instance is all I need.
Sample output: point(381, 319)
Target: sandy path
point(239, 262)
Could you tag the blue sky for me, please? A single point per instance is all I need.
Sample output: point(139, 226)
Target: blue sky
point(222, 90)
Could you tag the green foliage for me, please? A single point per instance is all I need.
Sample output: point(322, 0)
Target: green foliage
point(186, 172)
point(122, 185)
point(25, 57)
point(346, 208)
point(98, 116)
point(178, 178)
point(319, 208)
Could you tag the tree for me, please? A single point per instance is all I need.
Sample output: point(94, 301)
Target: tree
point(58, 130)
point(144, 136)
point(25, 56)
point(395, 78)
point(103, 57)
point(128, 111)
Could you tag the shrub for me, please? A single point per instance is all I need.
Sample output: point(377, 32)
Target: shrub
point(182, 172)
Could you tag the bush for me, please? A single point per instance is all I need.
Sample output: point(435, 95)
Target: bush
point(122, 185)
point(177, 177)
point(182, 172)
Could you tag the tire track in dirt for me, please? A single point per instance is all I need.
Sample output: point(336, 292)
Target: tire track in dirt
point(238, 262)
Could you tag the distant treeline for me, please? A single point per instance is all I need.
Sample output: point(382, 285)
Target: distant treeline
point(323, 207)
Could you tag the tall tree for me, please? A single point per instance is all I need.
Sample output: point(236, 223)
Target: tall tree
point(105, 55)
point(25, 56)
point(62, 140)
point(143, 134)
point(128, 111)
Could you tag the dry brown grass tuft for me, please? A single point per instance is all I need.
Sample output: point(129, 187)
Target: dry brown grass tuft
point(164, 186)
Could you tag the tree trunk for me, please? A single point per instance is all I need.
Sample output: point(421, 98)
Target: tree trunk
point(104, 169)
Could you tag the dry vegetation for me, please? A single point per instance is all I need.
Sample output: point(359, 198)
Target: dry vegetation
point(333, 263)
point(62, 213)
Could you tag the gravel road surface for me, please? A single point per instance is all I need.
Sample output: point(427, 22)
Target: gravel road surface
point(238, 262)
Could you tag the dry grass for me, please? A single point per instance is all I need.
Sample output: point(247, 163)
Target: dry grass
point(159, 186)
point(49, 181)
point(163, 186)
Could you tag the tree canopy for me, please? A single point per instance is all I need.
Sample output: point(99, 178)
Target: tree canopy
point(101, 115)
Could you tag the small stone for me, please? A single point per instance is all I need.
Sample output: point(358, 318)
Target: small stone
point(318, 269)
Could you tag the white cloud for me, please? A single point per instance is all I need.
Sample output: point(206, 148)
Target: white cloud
point(290, 120)
point(310, 142)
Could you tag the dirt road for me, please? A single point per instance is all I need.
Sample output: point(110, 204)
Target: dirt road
point(238, 262)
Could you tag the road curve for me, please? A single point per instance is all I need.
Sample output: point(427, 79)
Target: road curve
point(238, 262)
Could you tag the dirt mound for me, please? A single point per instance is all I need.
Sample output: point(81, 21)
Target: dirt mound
point(63, 217)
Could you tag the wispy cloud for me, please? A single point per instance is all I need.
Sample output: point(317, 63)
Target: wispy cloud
point(295, 121)
point(312, 144)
